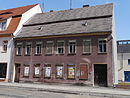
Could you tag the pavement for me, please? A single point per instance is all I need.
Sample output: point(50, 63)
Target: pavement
point(73, 89)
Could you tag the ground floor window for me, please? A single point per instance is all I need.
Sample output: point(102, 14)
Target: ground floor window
point(26, 70)
point(36, 70)
point(59, 71)
point(48, 71)
point(3, 69)
point(71, 71)
point(127, 76)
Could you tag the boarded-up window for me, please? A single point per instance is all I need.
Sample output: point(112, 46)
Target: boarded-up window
point(49, 47)
point(47, 71)
point(26, 70)
point(83, 71)
point(59, 71)
point(87, 46)
point(71, 71)
point(36, 70)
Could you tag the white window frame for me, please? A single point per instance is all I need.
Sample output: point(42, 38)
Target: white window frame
point(52, 47)
point(3, 27)
point(90, 45)
point(30, 44)
point(36, 52)
point(61, 46)
point(100, 39)
point(19, 45)
point(75, 46)
point(27, 73)
point(50, 72)
point(5, 44)
point(57, 76)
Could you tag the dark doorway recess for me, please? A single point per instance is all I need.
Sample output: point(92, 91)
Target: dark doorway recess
point(100, 74)
point(17, 72)
point(3, 69)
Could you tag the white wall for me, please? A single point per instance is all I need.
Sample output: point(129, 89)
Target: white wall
point(27, 16)
point(123, 65)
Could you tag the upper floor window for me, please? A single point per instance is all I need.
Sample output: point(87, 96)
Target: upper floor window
point(102, 46)
point(72, 46)
point(38, 48)
point(3, 25)
point(128, 61)
point(87, 46)
point(28, 49)
point(19, 49)
point(49, 47)
point(60, 47)
point(5, 43)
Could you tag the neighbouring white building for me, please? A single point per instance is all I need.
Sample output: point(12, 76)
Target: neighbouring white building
point(11, 22)
point(123, 47)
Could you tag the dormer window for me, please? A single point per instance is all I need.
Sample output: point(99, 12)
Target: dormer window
point(3, 25)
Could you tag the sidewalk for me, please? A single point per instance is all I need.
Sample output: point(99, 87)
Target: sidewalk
point(71, 89)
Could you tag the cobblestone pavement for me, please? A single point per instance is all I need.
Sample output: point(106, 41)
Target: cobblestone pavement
point(11, 92)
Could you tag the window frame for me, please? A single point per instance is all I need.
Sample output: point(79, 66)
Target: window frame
point(128, 61)
point(57, 76)
point(71, 41)
point(74, 76)
point(61, 46)
point(48, 42)
point(36, 52)
point(36, 66)
point(5, 45)
point(26, 66)
point(17, 46)
point(90, 46)
point(102, 39)
point(45, 66)
point(3, 26)
point(28, 44)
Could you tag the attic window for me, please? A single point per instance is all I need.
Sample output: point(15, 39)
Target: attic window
point(3, 25)
point(6, 13)
point(85, 24)
point(39, 28)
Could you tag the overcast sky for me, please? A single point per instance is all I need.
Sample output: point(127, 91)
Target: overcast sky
point(122, 10)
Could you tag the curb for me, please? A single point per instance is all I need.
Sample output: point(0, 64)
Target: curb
point(70, 92)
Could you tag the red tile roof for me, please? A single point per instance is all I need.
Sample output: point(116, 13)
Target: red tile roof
point(16, 14)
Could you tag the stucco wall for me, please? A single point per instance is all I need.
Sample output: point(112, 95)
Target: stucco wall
point(123, 65)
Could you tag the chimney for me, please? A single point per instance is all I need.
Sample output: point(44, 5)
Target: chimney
point(51, 11)
point(85, 5)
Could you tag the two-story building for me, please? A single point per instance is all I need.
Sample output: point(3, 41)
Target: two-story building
point(11, 21)
point(123, 49)
point(69, 46)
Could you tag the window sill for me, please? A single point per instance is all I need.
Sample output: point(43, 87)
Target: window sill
point(60, 54)
point(47, 77)
point(102, 53)
point(36, 76)
point(86, 53)
point(72, 54)
point(48, 54)
point(37, 54)
point(18, 55)
point(4, 52)
point(25, 76)
point(71, 78)
point(27, 55)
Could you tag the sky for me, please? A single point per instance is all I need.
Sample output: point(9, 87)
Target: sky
point(121, 8)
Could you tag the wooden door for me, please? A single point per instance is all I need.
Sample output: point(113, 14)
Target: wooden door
point(83, 71)
point(17, 72)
